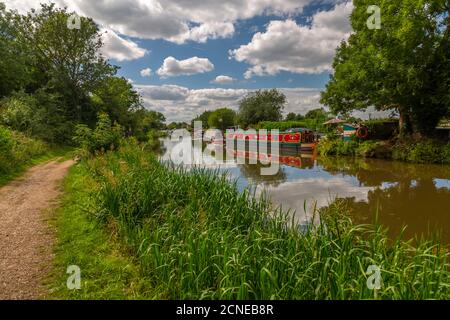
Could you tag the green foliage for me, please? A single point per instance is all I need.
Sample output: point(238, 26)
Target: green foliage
point(16, 151)
point(313, 120)
point(403, 66)
point(294, 117)
point(13, 69)
point(282, 125)
point(262, 105)
point(426, 151)
point(65, 61)
point(197, 237)
point(106, 136)
point(222, 119)
point(178, 125)
point(203, 118)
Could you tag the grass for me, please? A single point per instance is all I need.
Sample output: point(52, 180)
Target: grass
point(195, 236)
point(107, 271)
point(18, 152)
point(55, 152)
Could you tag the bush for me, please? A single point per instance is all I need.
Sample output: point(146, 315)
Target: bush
point(337, 147)
point(106, 136)
point(16, 150)
point(426, 151)
point(36, 115)
point(446, 154)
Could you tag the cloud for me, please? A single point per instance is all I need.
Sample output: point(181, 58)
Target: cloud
point(287, 46)
point(204, 32)
point(173, 67)
point(316, 193)
point(119, 48)
point(223, 80)
point(179, 103)
point(161, 93)
point(173, 20)
point(147, 72)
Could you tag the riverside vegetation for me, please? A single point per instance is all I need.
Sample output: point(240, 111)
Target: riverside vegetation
point(423, 151)
point(192, 235)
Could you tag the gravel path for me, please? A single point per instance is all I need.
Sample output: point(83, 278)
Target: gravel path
point(25, 237)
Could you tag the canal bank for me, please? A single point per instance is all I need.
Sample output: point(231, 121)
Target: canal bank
point(195, 235)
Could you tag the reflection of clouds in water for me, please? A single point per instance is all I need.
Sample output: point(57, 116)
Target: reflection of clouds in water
point(316, 192)
point(442, 183)
point(387, 185)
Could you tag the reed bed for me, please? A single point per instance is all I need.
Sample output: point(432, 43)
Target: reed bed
point(196, 237)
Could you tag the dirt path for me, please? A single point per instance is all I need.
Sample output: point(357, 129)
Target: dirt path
point(25, 237)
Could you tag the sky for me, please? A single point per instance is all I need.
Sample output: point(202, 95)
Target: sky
point(188, 56)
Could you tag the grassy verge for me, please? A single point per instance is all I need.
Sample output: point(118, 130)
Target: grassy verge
point(197, 237)
point(107, 271)
point(19, 152)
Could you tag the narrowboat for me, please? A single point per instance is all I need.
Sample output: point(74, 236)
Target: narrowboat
point(300, 138)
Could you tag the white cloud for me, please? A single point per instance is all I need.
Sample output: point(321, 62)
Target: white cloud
point(173, 20)
point(120, 49)
point(173, 67)
point(179, 103)
point(147, 72)
point(287, 46)
point(209, 30)
point(223, 80)
point(163, 93)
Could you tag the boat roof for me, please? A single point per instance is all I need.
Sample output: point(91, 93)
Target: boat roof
point(298, 130)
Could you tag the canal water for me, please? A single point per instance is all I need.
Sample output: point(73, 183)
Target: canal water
point(414, 195)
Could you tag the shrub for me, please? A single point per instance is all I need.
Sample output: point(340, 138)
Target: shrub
point(106, 136)
point(16, 149)
point(338, 147)
point(446, 153)
point(426, 151)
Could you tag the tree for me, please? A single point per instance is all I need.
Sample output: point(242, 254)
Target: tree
point(294, 117)
point(262, 105)
point(222, 119)
point(116, 97)
point(203, 118)
point(146, 121)
point(318, 114)
point(403, 66)
point(14, 73)
point(66, 61)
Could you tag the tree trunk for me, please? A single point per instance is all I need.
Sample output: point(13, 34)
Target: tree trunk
point(404, 122)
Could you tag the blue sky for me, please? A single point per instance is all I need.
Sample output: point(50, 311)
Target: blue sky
point(188, 56)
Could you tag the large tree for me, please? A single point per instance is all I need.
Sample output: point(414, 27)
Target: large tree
point(14, 72)
point(64, 60)
point(403, 66)
point(262, 105)
point(222, 119)
point(118, 99)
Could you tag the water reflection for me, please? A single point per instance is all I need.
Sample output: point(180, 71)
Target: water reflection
point(403, 194)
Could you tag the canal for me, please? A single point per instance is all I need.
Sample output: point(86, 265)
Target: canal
point(401, 194)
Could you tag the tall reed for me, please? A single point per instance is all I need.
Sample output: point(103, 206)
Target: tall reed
point(197, 237)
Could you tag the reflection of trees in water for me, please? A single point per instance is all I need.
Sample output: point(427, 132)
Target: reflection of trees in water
point(410, 196)
point(252, 172)
point(372, 172)
point(419, 206)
